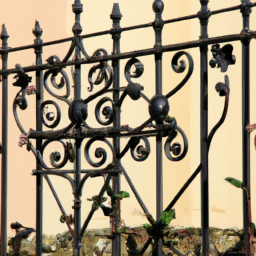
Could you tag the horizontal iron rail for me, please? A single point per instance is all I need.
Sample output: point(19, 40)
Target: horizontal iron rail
point(144, 52)
point(57, 171)
point(111, 31)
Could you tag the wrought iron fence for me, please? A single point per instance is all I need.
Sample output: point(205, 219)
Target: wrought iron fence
point(160, 123)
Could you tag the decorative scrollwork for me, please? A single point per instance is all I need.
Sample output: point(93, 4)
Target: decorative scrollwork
point(139, 69)
point(107, 111)
point(140, 153)
point(64, 81)
point(20, 99)
point(102, 70)
point(176, 148)
point(133, 89)
point(181, 68)
point(99, 153)
point(49, 115)
point(55, 156)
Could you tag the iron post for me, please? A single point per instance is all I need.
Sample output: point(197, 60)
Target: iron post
point(246, 10)
point(203, 16)
point(116, 16)
point(4, 167)
point(37, 31)
point(77, 29)
point(158, 7)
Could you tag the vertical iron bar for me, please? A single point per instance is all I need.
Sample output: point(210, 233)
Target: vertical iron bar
point(77, 29)
point(37, 31)
point(116, 17)
point(4, 37)
point(246, 10)
point(158, 7)
point(204, 15)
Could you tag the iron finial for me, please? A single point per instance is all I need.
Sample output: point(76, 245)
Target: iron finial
point(204, 15)
point(77, 8)
point(116, 14)
point(4, 37)
point(37, 31)
point(158, 7)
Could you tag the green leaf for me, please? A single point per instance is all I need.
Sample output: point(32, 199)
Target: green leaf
point(166, 217)
point(169, 119)
point(110, 192)
point(120, 230)
point(122, 195)
point(234, 182)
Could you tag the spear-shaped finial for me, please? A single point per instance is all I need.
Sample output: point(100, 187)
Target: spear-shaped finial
point(77, 9)
point(4, 37)
point(116, 15)
point(37, 31)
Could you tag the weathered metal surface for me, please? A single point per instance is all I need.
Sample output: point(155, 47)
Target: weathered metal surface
point(159, 124)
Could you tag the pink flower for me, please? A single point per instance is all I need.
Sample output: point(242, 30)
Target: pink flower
point(31, 90)
point(23, 140)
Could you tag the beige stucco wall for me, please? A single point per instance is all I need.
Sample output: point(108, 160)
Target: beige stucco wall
point(56, 19)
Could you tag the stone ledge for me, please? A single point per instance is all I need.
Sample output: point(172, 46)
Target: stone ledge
point(95, 242)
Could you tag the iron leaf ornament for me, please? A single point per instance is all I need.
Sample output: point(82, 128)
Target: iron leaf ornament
point(222, 57)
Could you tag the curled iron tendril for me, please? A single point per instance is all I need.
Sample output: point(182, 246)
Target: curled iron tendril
point(64, 81)
point(55, 156)
point(105, 73)
point(107, 111)
point(50, 115)
point(140, 153)
point(179, 68)
point(20, 99)
point(176, 148)
point(99, 152)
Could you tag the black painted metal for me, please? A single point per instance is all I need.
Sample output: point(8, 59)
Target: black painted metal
point(37, 31)
point(161, 125)
point(204, 15)
point(116, 16)
point(246, 10)
point(4, 166)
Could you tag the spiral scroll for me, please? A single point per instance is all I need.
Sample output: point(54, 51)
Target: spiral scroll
point(57, 118)
point(107, 111)
point(179, 69)
point(64, 81)
point(140, 153)
point(99, 153)
point(55, 156)
point(168, 148)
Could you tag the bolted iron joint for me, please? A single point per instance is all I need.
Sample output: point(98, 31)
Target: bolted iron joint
point(77, 7)
point(246, 7)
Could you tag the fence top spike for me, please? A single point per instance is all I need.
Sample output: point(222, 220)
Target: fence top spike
point(4, 33)
point(116, 14)
point(37, 31)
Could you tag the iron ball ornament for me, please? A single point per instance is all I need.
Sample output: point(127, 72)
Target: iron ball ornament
point(133, 90)
point(159, 108)
point(78, 111)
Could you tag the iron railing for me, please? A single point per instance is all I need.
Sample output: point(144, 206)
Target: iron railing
point(160, 123)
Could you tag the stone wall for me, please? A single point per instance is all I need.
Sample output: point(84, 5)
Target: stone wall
point(95, 242)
